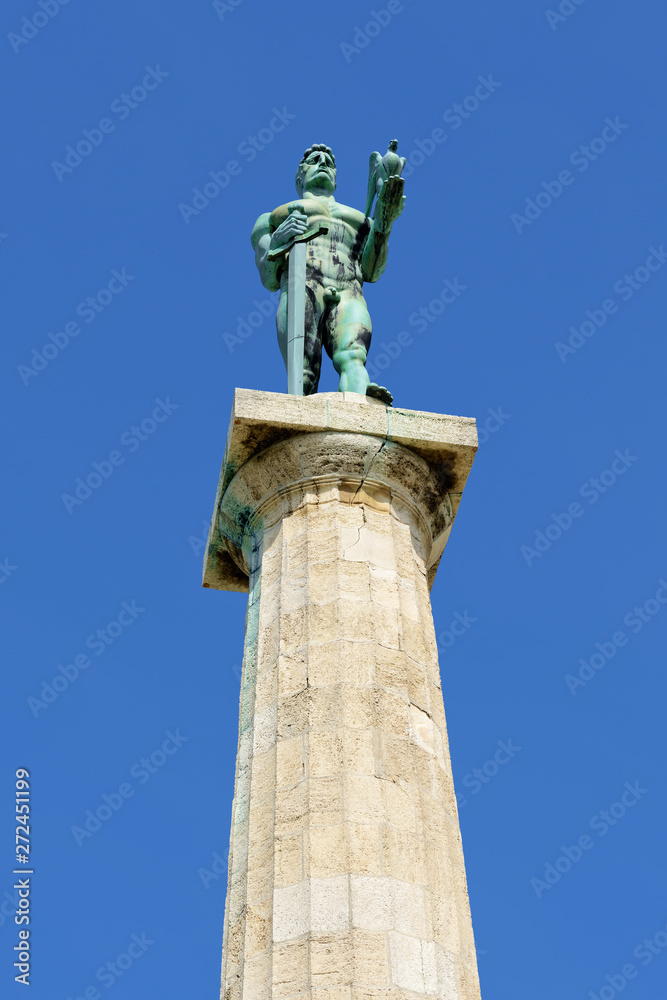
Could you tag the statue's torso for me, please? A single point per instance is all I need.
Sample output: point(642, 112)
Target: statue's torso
point(333, 257)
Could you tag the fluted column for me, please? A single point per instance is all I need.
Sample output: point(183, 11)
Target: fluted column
point(346, 871)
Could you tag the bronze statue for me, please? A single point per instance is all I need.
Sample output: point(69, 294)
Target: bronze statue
point(319, 253)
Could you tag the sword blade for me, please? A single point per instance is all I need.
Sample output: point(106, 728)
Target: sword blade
point(296, 318)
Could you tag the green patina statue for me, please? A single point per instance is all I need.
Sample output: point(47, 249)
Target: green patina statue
point(319, 253)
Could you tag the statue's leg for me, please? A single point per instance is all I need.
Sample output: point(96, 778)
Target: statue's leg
point(347, 338)
point(312, 352)
point(312, 345)
point(281, 325)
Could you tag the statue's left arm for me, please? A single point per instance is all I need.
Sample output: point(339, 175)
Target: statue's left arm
point(389, 206)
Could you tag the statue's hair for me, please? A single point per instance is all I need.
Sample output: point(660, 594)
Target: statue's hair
point(318, 146)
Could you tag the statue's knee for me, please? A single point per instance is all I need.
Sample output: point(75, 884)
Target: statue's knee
point(353, 354)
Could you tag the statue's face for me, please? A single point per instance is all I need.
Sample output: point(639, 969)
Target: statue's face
point(318, 172)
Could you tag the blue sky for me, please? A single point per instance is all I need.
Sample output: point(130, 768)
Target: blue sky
point(542, 199)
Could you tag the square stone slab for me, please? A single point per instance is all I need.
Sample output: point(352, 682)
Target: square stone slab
point(261, 419)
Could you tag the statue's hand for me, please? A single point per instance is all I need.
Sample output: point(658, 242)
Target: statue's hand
point(390, 203)
point(295, 224)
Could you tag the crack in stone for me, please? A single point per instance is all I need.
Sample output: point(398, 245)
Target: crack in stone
point(363, 480)
point(368, 468)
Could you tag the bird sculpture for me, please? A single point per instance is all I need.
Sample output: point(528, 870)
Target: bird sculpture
point(381, 168)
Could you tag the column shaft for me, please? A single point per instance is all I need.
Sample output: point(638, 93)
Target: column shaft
point(346, 875)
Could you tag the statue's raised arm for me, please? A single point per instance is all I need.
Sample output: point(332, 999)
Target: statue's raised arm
point(389, 205)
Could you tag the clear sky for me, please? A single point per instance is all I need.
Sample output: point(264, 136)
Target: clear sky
point(537, 189)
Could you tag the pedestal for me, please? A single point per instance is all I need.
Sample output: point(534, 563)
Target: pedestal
point(346, 871)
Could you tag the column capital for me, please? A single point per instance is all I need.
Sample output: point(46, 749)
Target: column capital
point(284, 451)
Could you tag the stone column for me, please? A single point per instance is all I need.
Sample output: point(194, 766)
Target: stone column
point(346, 871)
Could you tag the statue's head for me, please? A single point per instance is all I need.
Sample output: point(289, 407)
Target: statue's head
point(317, 170)
point(393, 145)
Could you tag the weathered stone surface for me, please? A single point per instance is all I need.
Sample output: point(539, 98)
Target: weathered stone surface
point(432, 472)
point(347, 877)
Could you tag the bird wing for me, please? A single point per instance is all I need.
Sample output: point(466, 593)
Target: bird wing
point(390, 162)
point(374, 169)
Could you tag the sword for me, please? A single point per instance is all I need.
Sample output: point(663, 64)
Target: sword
point(295, 251)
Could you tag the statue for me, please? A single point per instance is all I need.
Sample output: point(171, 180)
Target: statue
point(319, 253)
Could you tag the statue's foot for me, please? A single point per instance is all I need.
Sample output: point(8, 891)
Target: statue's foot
point(379, 392)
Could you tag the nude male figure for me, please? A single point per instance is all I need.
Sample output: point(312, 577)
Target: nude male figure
point(353, 250)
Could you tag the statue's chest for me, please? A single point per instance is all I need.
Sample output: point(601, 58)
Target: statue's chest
point(338, 218)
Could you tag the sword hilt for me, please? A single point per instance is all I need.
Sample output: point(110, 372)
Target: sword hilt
point(306, 237)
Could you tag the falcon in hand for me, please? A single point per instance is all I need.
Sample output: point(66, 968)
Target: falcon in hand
point(381, 168)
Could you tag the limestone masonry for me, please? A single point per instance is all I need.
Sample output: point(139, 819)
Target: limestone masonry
point(346, 871)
